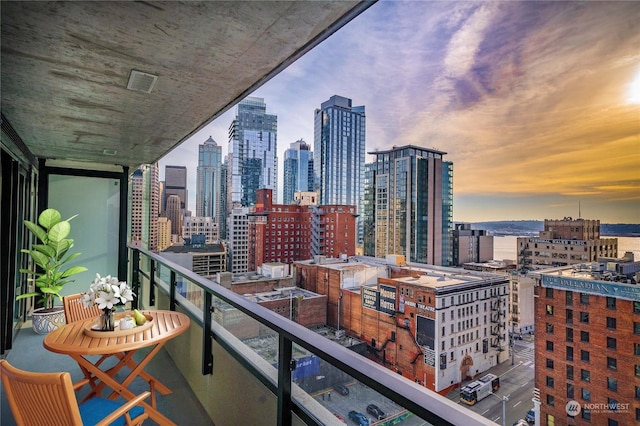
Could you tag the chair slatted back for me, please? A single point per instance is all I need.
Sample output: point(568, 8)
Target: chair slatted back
point(74, 310)
point(40, 398)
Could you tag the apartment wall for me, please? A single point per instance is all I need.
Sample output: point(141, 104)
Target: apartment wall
point(552, 326)
point(308, 312)
point(486, 248)
point(524, 303)
point(351, 312)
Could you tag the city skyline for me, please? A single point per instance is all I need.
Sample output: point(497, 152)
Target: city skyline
point(536, 104)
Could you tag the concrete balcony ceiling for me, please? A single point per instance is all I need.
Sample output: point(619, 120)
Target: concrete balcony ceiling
point(66, 67)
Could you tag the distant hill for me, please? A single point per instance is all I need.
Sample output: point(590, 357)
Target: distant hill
point(532, 227)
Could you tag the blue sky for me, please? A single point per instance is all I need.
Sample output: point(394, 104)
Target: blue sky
point(536, 103)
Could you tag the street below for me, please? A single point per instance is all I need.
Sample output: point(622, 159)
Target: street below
point(516, 382)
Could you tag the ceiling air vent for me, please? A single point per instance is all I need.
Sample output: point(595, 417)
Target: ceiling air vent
point(141, 81)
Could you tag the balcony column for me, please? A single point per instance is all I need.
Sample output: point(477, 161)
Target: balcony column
point(285, 363)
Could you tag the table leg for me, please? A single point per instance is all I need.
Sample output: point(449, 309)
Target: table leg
point(137, 369)
point(148, 377)
point(123, 359)
point(121, 388)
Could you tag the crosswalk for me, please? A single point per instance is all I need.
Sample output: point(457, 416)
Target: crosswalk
point(528, 357)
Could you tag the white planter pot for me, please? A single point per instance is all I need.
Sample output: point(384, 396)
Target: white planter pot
point(46, 320)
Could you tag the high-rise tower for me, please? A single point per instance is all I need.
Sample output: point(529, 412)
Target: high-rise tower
point(224, 210)
point(368, 213)
point(144, 207)
point(298, 170)
point(209, 183)
point(414, 205)
point(175, 183)
point(174, 214)
point(339, 154)
point(252, 151)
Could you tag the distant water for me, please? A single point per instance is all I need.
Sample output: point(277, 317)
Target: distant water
point(505, 248)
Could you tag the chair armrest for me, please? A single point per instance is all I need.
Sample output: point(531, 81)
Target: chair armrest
point(124, 408)
point(80, 383)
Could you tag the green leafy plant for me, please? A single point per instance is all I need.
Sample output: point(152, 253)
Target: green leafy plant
point(50, 257)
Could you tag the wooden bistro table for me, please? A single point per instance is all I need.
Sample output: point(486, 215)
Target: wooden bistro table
point(78, 341)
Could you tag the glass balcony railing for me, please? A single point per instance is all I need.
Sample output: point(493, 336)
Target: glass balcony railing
point(240, 354)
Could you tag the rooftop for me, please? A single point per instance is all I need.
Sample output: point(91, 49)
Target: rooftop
point(281, 293)
point(592, 278)
point(436, 281)
point(207, 248)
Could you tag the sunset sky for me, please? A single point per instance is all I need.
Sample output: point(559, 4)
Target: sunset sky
point(536, 103)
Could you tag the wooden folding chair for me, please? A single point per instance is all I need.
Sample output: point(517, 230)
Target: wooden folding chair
point(74, 310)
point(38, 399)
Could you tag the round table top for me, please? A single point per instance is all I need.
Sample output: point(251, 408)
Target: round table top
point(71, 338)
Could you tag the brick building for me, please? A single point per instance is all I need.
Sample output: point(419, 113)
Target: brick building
point(433, 326)
point(587, 344)
point(275, 292)
point(333, 230)
point(302, 306)
point(562, 242)
point(289, 232)
point(332, 277)
point(277, 232)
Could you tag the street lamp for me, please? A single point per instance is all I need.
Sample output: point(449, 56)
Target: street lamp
point(504, 399)
point(512, 344)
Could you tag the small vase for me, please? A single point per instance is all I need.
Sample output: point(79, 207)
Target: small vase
point(107, 322)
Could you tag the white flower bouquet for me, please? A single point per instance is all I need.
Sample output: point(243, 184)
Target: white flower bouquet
point(107, 293)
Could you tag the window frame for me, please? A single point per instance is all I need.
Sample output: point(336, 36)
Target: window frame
point(585, 356)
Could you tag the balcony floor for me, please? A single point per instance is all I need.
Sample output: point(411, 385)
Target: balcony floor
point(181, 406)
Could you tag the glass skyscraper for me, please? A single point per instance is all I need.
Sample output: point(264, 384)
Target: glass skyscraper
point(339, 154)
point(209, 183)
point(252, 152)
point(298, 170)
point(414, 205)
point(175, 183)
point(368, 213)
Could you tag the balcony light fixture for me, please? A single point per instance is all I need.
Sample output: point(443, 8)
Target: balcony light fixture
point(141, 81)
point(108, 151)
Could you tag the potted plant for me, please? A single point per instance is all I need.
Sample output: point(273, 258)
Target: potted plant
point(49, 273)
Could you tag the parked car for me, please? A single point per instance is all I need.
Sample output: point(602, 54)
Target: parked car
point(358, 418)
point(520, 422)
point(375, 411)
point(341, 389)
point(339, 417)
point(530, 417)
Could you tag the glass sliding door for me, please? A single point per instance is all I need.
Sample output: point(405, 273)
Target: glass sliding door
point(16, 204)
point(96, 229)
